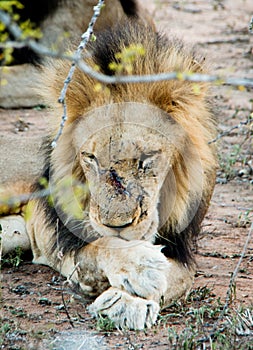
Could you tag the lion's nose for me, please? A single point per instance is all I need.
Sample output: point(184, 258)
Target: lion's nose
point(120, 216)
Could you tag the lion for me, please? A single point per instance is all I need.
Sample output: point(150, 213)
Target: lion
point(131, 177)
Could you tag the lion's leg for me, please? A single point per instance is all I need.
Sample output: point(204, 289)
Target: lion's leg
point(179, 281)
point(13, 234)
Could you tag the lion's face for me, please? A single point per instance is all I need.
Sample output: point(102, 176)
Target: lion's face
point(125, 163)
point(124, 179)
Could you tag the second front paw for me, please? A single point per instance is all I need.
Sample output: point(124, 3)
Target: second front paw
point(125, 310)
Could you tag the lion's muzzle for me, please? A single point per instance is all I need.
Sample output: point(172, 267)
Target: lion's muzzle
point(118, 201)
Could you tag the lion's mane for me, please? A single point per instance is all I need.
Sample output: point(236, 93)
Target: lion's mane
point(185, 102)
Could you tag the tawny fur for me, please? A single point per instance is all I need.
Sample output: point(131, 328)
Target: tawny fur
point(132, 267)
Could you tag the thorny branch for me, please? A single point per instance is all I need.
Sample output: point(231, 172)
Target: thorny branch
point(78, 62)
point(215, 328)
point(85, 39)
point(235, 272)
point(12, 202)
point(228, 131)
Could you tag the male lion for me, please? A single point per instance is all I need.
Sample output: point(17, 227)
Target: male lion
point(131, 177)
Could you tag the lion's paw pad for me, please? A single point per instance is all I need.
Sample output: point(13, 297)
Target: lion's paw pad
point(125, 310)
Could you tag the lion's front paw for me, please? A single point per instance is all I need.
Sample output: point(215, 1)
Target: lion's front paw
point(140, 269)
point(125, 310)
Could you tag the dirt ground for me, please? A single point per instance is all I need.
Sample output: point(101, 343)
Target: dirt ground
point(33, 297)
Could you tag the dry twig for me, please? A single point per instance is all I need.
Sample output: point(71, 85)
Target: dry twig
point(235, 272)
point(216, 328)
point(193, 77)
point(228, 131)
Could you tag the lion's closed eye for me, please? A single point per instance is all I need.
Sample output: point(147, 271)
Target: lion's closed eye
point(148, 162)
point(89, 159)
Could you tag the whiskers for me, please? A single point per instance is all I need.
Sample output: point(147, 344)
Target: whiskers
point(163, 238)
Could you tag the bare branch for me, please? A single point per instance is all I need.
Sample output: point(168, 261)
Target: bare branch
point(212, 333)
point(233, 277)
point(12, 201)
point(228, 131)
point(152, 78)
point(193, 77)
point(38, 48)
point(85, 39)
point(12, 44)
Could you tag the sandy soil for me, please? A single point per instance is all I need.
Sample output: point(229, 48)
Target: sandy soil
point(31, 295)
